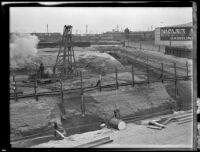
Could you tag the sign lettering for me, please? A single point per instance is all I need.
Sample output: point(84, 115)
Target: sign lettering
point(176, 33)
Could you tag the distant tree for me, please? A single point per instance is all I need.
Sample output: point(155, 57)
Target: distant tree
point(126, 31)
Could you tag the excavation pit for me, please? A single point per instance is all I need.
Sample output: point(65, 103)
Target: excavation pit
point(100, 105)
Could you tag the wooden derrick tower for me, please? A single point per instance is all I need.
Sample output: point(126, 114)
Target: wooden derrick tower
point(65, 62)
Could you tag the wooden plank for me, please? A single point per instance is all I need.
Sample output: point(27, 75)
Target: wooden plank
point(156, 124)
point(176, 116)
point(95, 143)
point(60, 134)
point(168, 120)
point(182, 122)
point(185, 118)
point(101, 143)
point(154, 127)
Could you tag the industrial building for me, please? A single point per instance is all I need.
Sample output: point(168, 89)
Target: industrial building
point(174, 36)
point(133, 35)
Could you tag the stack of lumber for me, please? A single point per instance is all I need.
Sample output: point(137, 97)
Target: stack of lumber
point(180, 117)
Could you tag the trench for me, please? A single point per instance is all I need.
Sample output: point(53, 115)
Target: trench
point(75, 122)
point(184, 99)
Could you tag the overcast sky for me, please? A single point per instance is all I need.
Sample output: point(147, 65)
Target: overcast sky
point(98, 19)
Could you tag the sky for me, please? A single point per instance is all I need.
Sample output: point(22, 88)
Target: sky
point(97, 19)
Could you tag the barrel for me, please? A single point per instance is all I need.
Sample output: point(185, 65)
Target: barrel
point(117, 124)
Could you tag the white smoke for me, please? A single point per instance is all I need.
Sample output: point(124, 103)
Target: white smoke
point(23, 50)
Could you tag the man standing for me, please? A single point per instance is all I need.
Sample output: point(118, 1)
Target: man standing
point(41, 70)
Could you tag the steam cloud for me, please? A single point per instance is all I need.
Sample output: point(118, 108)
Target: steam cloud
point(23, 50)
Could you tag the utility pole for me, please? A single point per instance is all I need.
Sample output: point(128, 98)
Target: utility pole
point(47, 30)
point(86, 29)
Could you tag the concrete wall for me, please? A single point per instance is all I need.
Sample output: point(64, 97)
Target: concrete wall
point(187, 44)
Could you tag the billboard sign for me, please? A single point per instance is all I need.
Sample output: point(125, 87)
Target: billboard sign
point(176, 33)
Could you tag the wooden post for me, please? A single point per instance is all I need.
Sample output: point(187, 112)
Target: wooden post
point(62, 97)
point(35, 89)
point(147, 70)
point(187, 68)
point(82, 106)
point(116, 78)
point(100, 75)
point(133, 83)
point(82, 93)
point(162, 73)
point(15, 88)
point(81, 82)
point(175, 80)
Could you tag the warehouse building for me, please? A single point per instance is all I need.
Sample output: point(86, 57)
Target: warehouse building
point(174, 36)
point(133, 35)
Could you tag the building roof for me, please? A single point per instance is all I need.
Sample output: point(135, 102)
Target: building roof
point(189, 24)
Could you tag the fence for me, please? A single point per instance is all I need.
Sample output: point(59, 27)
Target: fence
point(146, 46)
point(175, 51)
point(179, 52)
point(83, 76)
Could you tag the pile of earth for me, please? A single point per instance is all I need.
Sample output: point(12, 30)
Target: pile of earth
point(92, 59)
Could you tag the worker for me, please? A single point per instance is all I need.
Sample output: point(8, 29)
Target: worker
point(116, 112)
point(41, 70)
point(55, 128)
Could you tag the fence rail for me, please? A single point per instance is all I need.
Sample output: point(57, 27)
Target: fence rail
point(88, 88)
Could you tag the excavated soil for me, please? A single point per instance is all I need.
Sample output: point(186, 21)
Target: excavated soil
point(28, 116)
point(137, 100)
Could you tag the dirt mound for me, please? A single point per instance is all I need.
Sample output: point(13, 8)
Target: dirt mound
point(29, 116)
point(137, 100)
point(94, 60)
